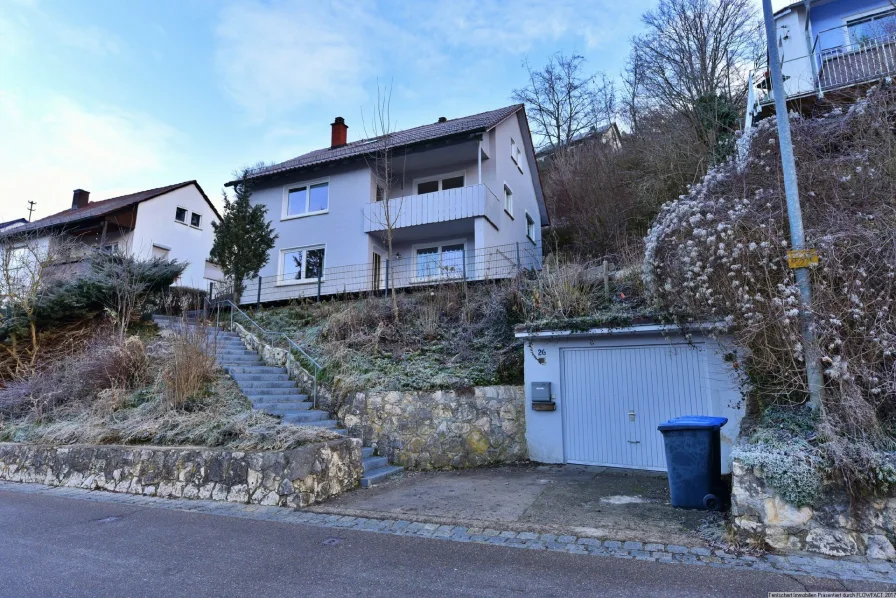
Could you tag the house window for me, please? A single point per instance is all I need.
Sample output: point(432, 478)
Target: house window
point(110, 248)
point(880, 27)
point(195, 219)
point(530, 228)
point(380, 193)
point(508, 199)
point(440, 183)
point(302, 263)
point(440, 261)
point(181, 215)
point(516, 154)
point(307, 199)
point(160, 252)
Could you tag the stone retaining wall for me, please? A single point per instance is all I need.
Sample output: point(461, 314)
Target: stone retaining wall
point(294, 478)
point(483, 425)
point(832, 526)
point(439, 429)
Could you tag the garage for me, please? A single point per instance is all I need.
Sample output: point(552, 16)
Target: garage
point(596, 397)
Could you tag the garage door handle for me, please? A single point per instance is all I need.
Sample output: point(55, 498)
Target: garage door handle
point(634, 442)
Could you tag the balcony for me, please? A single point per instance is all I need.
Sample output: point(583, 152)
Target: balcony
point(833, 64)
point(430, 208)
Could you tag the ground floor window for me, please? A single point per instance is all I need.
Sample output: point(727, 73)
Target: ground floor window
point(440, 261)
point(301, 263)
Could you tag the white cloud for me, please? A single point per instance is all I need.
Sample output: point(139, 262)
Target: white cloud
point(53, 147)
point(278, 57)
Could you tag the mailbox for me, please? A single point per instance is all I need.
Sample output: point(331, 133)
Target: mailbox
point(540, 394)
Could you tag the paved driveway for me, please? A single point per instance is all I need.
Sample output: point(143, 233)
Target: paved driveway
point(595, 501)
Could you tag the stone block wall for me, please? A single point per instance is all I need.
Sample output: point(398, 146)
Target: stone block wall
point(483, 425)
point(293, 478)
point(441, 429)
point(832, 526)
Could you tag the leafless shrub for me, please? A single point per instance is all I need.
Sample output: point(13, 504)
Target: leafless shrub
point(191, 366)
point(78, 378)
point(719, 253)
point(564, 289)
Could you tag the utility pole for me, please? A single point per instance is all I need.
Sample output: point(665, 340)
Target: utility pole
point(799, 258)
point(31, 205)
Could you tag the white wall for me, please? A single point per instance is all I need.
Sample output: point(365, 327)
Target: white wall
point(156, 226)
point(544, 429)
point(794, 51)
point(341, 229)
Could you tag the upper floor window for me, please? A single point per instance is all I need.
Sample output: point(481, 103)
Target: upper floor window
point(530, 227)
point(872, 29)
point(307, 199)
point(195, 219)
point(440, 183)
point(508, 199)
point(516, 154)
point(180, 214)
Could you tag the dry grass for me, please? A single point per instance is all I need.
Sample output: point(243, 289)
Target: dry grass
point(118, 394)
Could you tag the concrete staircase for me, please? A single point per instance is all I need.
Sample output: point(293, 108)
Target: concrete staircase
point(270, 390)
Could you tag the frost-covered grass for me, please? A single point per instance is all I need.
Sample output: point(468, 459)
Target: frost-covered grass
point(443, 338)
point(110, 394)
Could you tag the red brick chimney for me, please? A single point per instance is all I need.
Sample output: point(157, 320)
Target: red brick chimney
point(80, 197)
point(339, 132)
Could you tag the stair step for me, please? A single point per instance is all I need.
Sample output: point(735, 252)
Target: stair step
point(249, 384)
point(254, 369)
point(282, 406)
point(301, 417)
point(374, 463)
point(366, 451)
point(380, 475)
point(260, 377)
point(274, 399)
point(260, 393)
point(239, 359)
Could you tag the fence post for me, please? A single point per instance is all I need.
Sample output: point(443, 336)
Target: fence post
point(320, 274)
point(387, 277)
point(258, 297)
point(519, 263)
point(606, 273)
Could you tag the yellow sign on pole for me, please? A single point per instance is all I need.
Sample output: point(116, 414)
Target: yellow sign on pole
point(802, 258)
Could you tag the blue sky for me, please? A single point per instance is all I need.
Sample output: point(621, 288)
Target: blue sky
point(115, 97)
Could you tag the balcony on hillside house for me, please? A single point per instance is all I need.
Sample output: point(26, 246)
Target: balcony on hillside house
point(842, 58)
point(442, 206)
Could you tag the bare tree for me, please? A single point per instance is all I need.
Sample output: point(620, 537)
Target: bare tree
point(563, 101)
point(27, 263)
point(388, 209)
point(693, 52)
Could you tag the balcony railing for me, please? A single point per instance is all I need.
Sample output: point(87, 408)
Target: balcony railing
point(428, 208)
point(829, 67)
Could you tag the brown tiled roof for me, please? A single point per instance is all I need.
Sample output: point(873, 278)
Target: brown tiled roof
point(456, 126)
point(95, 209)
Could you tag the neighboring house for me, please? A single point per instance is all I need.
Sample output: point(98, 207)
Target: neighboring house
point(6, 226)
point(465, 202)
point(827, 47)
point(607, 134)
point(174, 222)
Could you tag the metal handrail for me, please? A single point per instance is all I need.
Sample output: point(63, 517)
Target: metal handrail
point(269, 334)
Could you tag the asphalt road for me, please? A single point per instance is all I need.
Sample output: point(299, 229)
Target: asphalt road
point(54, 546)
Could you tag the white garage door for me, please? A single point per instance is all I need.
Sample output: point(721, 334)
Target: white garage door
point(614, 398)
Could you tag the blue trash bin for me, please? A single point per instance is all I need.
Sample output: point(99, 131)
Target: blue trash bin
point(694, 461)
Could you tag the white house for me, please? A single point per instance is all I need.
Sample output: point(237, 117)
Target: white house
point(831, 45)
point(464, 201)
point(174, 222)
